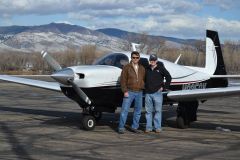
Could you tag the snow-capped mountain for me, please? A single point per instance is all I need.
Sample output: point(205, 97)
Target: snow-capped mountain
point(58, 37)
point(55, 37)
point(170, 41)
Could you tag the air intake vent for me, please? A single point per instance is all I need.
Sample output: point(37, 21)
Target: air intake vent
point(81, 76)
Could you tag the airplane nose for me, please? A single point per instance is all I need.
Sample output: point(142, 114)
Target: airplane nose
point(63, 76)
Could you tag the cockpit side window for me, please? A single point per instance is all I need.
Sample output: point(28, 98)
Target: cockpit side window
point(106, 60)
point(117, 60)
point(121, 60)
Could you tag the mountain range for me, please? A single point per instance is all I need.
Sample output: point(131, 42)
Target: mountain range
point(58, 37)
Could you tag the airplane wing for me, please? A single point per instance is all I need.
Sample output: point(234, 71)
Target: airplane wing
point(54, 86)
point(203, 94)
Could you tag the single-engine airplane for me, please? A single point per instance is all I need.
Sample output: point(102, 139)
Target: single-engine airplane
point(96, 87)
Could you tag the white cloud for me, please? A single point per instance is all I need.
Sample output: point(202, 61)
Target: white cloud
point(159, 17)
point(66, 6)
point(223, 4)
point(184, 6)
point(66, 22)
point(150, 23)
point(230, 29)
point(82, 17)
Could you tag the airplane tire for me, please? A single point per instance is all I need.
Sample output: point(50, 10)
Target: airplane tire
point(180, 123)
point(88, 122)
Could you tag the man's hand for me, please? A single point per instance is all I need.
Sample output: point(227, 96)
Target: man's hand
point(126, 94)
point(167, 90)
point(161, 89)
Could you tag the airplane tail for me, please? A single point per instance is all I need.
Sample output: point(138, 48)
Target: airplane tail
point(214, 61)
point(214, 58)
point(214, 64)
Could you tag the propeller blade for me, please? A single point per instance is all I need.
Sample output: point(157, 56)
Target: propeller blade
point(80, 93)
point(176, 62)
point(52, 62)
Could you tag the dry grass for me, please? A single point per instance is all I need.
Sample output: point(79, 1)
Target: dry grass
point(32, 63)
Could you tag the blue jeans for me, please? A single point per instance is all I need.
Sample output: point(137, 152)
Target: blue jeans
point(127, 101)
point(153, 103)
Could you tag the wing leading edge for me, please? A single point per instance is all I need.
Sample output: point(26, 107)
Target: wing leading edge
point(30, 82)
point(203, 94)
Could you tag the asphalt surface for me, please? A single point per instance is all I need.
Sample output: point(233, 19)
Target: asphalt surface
point(36, 124)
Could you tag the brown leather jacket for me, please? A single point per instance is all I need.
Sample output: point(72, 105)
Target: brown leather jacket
point(129, 79)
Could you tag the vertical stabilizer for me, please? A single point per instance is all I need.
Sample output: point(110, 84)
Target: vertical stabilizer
point(214, 58)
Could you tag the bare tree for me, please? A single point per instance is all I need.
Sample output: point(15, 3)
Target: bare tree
point(231, 53)
point(16, 62)
point(87, 54)
point(200, 47)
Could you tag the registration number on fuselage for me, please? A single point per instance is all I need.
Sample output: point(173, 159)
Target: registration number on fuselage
point(194, 86)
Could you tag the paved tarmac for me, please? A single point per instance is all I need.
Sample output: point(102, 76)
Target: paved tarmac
point(36, 124)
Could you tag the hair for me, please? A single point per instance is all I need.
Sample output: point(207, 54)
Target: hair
point(136, 53)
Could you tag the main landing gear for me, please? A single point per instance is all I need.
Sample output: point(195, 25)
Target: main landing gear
point(90, 117)
point(186, 113)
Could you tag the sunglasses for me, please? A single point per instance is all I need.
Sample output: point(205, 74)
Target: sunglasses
point(135, 57)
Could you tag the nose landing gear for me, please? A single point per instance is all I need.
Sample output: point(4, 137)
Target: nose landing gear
point(90, 117)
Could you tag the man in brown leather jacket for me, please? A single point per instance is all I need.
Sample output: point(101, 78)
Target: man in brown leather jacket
point(132, 84)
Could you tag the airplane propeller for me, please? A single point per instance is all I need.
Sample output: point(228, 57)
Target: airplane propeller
point(64, 76)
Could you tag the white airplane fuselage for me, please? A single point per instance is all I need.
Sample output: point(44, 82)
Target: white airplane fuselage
point(101, 82)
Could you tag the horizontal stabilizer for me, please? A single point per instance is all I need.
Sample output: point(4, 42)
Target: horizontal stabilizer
point(225, 76)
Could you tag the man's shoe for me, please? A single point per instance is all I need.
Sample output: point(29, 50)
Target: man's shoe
point(147, 131)
point(158, 130)
point(121, 131)
point(135, 130)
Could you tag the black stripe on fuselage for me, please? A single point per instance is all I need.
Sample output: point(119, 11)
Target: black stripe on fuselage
point(107, 96)
point(110, 97)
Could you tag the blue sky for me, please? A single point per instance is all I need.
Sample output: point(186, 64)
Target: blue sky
point(175, 18)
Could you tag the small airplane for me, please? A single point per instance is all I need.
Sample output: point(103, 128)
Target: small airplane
point(96, 87)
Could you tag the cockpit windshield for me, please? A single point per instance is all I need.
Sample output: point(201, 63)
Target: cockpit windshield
point(114, 59)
